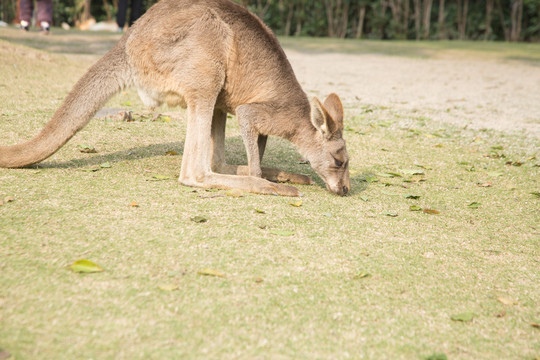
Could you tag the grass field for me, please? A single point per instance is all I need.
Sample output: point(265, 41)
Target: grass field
point(362, 276)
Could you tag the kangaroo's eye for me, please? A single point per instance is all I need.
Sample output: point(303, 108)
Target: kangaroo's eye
point(338, 163)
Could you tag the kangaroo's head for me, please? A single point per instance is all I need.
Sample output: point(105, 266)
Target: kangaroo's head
point(328, 155)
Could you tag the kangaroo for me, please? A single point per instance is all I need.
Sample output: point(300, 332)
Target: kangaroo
point(212, 57)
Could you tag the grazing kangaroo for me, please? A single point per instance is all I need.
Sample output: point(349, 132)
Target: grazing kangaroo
point(213, 57)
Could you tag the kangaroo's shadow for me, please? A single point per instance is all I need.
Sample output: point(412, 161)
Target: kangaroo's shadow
point(279, 154)
point(130, 154)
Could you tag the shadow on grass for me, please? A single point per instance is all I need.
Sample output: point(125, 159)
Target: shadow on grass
point(135, 153)
point(235, 154)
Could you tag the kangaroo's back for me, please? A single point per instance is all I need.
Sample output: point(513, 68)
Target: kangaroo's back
point(176, 36)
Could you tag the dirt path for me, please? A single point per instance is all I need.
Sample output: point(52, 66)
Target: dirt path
point(475, 92)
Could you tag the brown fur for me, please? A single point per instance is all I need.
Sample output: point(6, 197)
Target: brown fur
point(213, 57)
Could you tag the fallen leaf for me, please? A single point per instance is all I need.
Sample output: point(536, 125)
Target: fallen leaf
point(364, 198)
point(296, 203)
point(514, 163)
point(199, 219)
point(9, 199)
point(486, 184)
point(164, 118)
point(389, 175)
point(501, 314)
point(414, 197)
point(282, 232)
point(85, 266)
point(431, 211)
point(235, 193)
point(436, 356)
point(157, 177)
point(258, 280)
point(506, 300)
point(259, 211)
point(105, 165)
point(87, 149)
point(426, 167)
point(171, 152)
point(391, 214)
point(415, 208)
point(211, 272)
point(495, 173)
point(412, 172)
point(328, 214)
point(497, 147)
point(535, 325)
point(474, 205)
point(463, 317)
point(168, 287)
point(133, 204)
point(92, 169)
point(361, 275)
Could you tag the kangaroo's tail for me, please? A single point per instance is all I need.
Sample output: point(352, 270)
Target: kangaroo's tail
point(104, 79)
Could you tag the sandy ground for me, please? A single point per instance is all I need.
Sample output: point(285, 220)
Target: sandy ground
point(478, 93)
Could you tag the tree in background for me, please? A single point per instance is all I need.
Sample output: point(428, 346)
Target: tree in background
point(508, 20)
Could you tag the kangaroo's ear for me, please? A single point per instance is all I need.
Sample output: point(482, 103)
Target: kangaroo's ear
point(334, 107)
point(319, 117)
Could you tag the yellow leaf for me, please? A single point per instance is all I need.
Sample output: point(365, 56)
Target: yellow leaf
point(168, 287)
point(296, 204)
point(134, 204)
point(85, 266)
point(506, 300)
point(211, 272)
point(235, 193)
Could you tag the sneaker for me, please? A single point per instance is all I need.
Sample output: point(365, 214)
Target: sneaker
point(25, 25)
point(45, 28)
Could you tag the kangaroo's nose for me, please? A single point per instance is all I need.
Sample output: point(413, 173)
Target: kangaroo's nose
point(345, 190)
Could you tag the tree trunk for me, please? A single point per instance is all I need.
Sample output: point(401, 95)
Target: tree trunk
point(329, 4)
point(86, 15)
point(262, 9)
point(442, 28)
point(417, 12)
point(489, 10)
point(462, 17)
point(361, 17)
point(290, 13)
point(516, 18)
point(503, 21)
point(406, 12)
point(107, 11)
point(344, 20)
point(427, 17)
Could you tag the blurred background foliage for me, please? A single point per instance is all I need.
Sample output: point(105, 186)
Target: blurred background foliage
point(500, 20)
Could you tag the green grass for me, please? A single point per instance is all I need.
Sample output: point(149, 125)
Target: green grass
point(525, 52)
point(293, 296)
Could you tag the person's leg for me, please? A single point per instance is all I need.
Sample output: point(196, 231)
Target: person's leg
point(25, 13)
point(44, 14)
point(136, 11)
point(121, 14)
